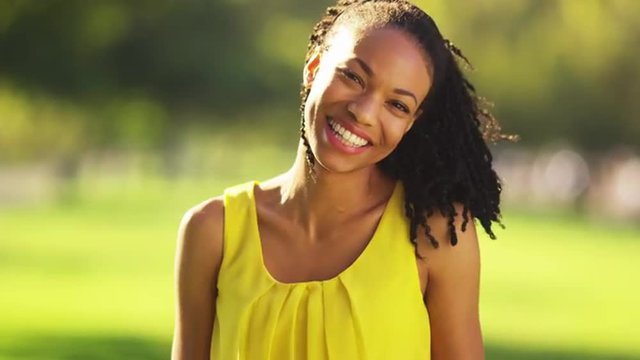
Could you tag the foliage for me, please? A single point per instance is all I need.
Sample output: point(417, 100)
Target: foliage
point(556, 69)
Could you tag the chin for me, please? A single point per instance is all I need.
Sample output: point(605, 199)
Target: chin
point(338, 163)
point(339, 168)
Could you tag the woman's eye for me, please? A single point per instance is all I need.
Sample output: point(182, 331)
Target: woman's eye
point(352, 76)
point(400, 106)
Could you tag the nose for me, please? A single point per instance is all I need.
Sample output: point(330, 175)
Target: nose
point(364, 109)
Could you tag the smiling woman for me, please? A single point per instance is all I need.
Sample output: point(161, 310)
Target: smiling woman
point(366, 248)
point(379, 76)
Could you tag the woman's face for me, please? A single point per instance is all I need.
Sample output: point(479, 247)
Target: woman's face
point(365, 95)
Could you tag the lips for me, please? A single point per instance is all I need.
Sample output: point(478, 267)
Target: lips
point(338, 142)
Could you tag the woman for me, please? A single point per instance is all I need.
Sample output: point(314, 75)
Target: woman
point(365, 248)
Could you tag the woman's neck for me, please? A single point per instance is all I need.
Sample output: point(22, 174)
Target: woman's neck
point(329, 197)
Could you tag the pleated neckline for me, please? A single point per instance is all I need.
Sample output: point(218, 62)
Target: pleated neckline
point(369, 248)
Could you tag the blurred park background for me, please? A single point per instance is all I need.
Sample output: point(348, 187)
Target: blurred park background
point(117, 116)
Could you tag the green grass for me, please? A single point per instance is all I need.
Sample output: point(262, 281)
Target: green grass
point(561, 282)
point(91, 278)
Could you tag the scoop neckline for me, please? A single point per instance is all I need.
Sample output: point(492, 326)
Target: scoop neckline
point(363, 254)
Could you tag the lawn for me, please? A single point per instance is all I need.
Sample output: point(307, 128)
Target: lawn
point(90, 277)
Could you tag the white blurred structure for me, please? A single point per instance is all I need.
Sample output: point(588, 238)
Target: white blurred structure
point(561, 177)
point(607, 185)
point(28, 184)
point(617, 189)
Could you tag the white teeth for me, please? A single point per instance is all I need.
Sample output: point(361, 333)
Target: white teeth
point(347, 137)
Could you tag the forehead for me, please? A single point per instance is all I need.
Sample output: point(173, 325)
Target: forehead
point(344, 37)
point(391, 53)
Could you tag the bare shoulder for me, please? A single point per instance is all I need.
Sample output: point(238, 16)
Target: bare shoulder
point(197, 263)
point(446, 255)
point(201, 228)
point(200, 217)
point(452, 293)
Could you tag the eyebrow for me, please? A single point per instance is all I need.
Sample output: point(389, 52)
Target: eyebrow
point(367, 69)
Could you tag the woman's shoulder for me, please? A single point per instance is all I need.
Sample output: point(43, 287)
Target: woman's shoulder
point(203, 215)
point(203, 223)
point(200, 234)
point(201, 231)
point(446, 254)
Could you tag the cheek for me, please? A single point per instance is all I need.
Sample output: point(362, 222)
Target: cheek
point(324, 79)
point(394, 131)
point(329, 87)
point(332, 89)
point(317, 95)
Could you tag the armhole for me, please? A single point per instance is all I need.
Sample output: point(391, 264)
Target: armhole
point(226, 226)
point(218, 235)
point(417, 262)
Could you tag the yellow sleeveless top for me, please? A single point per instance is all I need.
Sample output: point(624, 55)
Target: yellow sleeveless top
point(371, 310)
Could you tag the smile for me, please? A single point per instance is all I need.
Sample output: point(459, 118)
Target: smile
point(347, 137)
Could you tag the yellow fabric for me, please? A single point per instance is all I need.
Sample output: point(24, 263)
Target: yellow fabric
point(371, 310)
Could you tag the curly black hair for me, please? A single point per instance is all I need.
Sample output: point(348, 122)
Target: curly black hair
point(443, 159)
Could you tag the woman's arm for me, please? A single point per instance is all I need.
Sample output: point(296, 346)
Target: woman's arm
point(452, 292)
point(198, 258)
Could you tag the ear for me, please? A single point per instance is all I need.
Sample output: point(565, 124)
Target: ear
point(311, 68)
